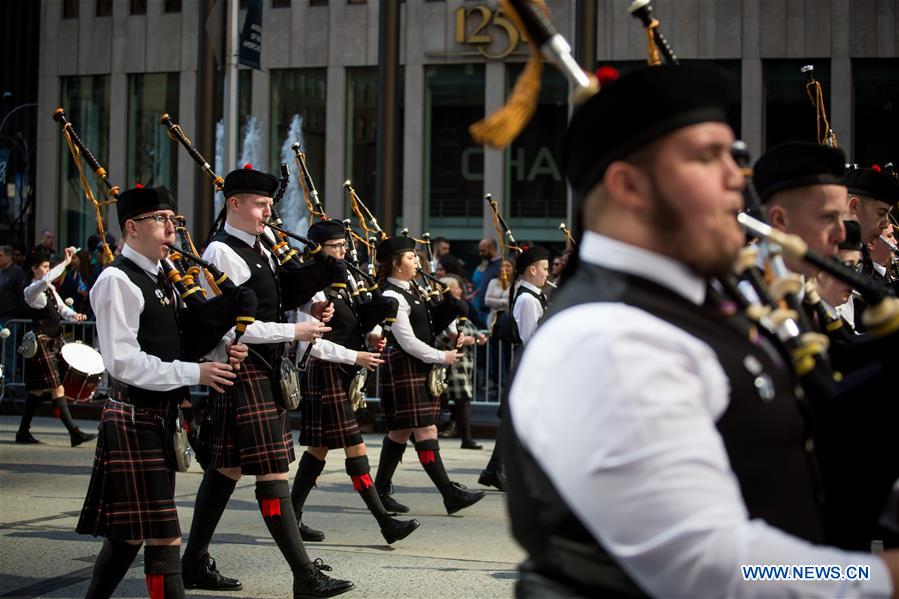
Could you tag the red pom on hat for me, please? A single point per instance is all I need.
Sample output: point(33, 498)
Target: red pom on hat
point(606, 75)
point(248, 166)
point(138, 186)
point(875, 167)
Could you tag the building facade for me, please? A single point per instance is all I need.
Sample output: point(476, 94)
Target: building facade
point(116, 66)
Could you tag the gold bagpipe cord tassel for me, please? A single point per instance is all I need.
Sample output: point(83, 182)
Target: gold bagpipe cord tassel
point(89, 194)
point(502, 127)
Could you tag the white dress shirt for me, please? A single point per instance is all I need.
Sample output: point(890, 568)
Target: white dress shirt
point(230, 263)
point(402, 328)
point(118, 303)
point(323, 349)
point(37, 299)
point(619, 408)
point(847, 311)
point(527, 311)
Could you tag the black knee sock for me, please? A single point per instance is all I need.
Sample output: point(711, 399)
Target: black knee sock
point(31, 403)
point(277, 512)
point(308, 471)
point(391, 456)
point(463, 420)
point(429, 456)
point(212, 498)
point(496, 464)
point(110, 568)
point(61, 411)
point(360, 472)
point(162, 566)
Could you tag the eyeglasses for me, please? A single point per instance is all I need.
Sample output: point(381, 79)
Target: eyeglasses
point(338, 246)
point(159, 219)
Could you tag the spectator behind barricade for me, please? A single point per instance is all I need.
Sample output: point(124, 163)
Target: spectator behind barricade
point(556, 265)
point(74, 282)
point(47, 243)
point(12, 282)
point(497, 298)
point(440, 247)
point(19, 252)
point(490, 254)
point(452, 266)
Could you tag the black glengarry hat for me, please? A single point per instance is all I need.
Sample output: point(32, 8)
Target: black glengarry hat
point(326, 230)
point(246, 180)
point(394, 245)
point(531, 255)
point(637, 109)
point(140, 200)
point(873, 183)
point(853, 239)
point(797, 164)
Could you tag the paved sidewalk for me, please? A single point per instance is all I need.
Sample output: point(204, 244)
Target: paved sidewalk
point(470, 554)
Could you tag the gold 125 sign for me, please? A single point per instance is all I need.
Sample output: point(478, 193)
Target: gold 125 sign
point(486, 21)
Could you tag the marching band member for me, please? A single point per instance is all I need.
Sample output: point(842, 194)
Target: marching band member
point(247, 429)
point(46, 309)
point(130, 499)
point(328, 420)
point(407, 405)
point(529, 302)
point(836, 293)
point(645, 463)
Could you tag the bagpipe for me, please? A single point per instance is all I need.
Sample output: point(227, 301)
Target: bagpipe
point(80, 151)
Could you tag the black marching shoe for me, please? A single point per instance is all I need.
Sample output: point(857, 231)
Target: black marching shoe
point(471, 444)
point(395, 530)
point(78, 436)
point(202, 574)
point(457, 497)
point(311, 583)
point(310, 535)
point(492, 478)
point(392, 506)
point(27, 438)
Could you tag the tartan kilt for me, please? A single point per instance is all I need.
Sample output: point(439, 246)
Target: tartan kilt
point(131, 495)
point(245, 427)
point(328, 418)
point(42, 371)
point(405, 401)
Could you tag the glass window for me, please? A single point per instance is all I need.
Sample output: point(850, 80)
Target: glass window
point(875, 111)
point(536, 193)
point(361, 135)
point(70, 9)
point(299, 99)
point(103, 8)
point(86, 102)
point(138, 7)
point(172, 6)
point(152, 156)
point(280, 3)
point(454, 163)
point(789, 114)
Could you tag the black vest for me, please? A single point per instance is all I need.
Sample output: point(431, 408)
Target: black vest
point(264, 283)
point(516, 334)
point(159, 332)
point(45, 321)
point(345, 327)
point(419, 315)
point(768, 443)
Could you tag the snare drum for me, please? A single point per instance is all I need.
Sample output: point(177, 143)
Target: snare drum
point(84, 369)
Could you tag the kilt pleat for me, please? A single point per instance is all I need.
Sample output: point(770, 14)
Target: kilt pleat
point(405, 401)
point(328, 419)
point(132, 488)
point(245, 427)
point(42, 371)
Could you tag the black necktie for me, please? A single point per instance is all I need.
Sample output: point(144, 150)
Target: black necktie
point(258, 247)
point(165, 285)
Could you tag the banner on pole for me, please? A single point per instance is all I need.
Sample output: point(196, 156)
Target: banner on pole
point(250, 42)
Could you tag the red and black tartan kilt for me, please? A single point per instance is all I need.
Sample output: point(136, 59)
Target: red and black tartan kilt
point(42, 371)
point(245, 427)
point(328, 418)
point(405, 401)
point(131, 495)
